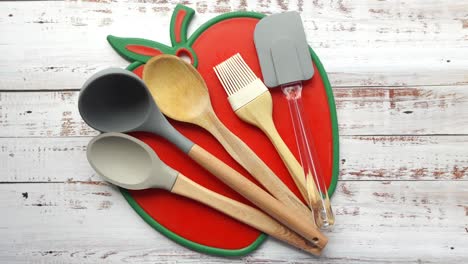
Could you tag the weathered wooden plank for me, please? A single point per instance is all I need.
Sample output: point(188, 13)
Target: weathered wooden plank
point(361, 111)
point(404, 158)
point(415, 222)
point(420, 110)
point(45, 160)
point(362, 158)
point(361, 43)
point(41, 114)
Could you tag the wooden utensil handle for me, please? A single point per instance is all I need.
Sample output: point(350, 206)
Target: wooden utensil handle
point(259, 113)
point(294, 168)
point(253, 164)
point(284, 214)
point(242, 212)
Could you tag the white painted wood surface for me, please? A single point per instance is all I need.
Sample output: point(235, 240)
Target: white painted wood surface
point(366, 111)
point(361, 43)
point(399, 70)
point(88, 223)
point(387, 158)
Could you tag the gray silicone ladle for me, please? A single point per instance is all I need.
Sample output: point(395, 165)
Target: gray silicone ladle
point(130, 163)
point(116, 100)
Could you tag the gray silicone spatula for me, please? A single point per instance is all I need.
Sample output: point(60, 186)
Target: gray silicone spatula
point(285, 61)
point(116, 100)
point(131, 164)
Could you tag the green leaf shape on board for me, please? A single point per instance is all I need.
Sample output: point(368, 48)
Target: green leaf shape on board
point(180, 20)
point(128, 48)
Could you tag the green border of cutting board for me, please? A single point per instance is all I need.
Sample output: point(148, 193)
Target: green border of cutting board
point(138, 60)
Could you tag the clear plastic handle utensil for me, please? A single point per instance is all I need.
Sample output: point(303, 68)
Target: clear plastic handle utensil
point(315, 182)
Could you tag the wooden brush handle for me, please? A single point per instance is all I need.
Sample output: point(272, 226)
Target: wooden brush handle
point(240, 152)
point(285, 214)
point(259, 113)
point(242, 212)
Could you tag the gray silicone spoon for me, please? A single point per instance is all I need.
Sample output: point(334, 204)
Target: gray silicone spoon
point(116, 100)
point(130, 163)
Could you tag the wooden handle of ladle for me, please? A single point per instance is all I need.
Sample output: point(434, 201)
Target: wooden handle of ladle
point(241, 212)
point(245, 156)
point(284, 214)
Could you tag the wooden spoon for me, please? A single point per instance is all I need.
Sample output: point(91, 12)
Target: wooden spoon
point(181, 94)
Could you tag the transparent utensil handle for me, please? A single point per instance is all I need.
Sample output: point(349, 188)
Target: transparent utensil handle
point(315, 182)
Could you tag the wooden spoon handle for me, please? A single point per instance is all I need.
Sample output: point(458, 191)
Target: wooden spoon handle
point(284, 214)
point(242, 212)
point(245, 156)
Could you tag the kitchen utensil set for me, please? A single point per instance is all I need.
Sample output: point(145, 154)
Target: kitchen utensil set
point(181, 94)
point(117, 101)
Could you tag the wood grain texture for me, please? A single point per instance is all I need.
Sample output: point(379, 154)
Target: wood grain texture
point(41, 114)
point(242, 212)
point(45, 160)
point(386, 158)
point(294, 217)
point(252, 163)
point(364, 43)
point(361, 111)
point(404, 158)
point(87, 223)
point(258, 112)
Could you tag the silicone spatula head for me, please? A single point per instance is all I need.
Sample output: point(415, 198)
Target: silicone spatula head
point(282, 49)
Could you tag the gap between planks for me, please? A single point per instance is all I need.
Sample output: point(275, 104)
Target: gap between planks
point(343, 181)
point(333, 88)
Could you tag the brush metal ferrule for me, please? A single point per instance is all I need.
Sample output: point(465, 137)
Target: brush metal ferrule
point(247, 94)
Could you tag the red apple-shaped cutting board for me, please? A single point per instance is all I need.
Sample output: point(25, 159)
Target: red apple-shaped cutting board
point(187, 222)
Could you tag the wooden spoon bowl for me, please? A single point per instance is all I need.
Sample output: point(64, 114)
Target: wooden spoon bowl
point(167, 78)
